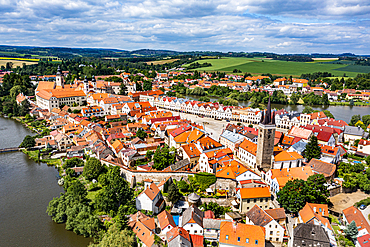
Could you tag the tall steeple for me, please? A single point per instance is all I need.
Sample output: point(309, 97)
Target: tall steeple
point(86, 85)
point(265, 141)
point(93, 82)
point(59, 78)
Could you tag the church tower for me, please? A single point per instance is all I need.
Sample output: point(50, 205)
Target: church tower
point(265, 141)
point(86, 85)
point(93, 82)
point(59, 78)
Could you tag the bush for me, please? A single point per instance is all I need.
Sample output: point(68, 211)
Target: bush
point(203, 180)
point(28, 142)
point(364, 201)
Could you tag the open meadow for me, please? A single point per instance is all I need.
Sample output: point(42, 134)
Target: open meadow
point(164, 61)
point(16, 62)
point(283, 68)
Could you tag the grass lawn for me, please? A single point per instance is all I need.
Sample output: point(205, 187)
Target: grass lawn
point(52, 162)
point(334, 220)
point(260, 66)
point(34, 155)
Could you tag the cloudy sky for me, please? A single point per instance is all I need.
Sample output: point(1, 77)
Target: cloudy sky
point(281, 26)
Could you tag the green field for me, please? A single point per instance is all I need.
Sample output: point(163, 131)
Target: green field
point(260, 66)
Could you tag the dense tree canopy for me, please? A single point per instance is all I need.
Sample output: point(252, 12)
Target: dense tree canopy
point(28, 142)
point(173, 193)
point(93, 168)
point(73, 162)
point(141, 134)
point(312, 149)
point(294, 195)
point(115, 192)
point(163, 157)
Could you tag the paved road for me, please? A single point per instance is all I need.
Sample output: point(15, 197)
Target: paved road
point(366, 213)
point(212, 126)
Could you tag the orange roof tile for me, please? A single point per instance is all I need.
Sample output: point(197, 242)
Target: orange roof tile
point(257, 192)
point(238, 234)
point(286, 156)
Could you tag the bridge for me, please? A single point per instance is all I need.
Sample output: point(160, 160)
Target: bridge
point(5, 150)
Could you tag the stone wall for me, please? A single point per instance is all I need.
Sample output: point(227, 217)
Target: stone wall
point(220, 201)
point(140, 176)
point(335, 191)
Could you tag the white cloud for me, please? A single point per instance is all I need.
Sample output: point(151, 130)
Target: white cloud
point(226, 25)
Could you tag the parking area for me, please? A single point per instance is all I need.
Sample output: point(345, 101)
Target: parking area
point(345, 200)
point(213, 127)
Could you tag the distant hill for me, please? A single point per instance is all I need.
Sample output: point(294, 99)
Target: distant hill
point(65, 52)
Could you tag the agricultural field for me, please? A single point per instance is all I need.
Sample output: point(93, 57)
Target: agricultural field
point(16, 62)
point(283, 68)
point(161, 61)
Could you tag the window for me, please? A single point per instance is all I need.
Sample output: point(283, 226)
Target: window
point(238, 239)
point(271, 232)
point(247, 240)
point(277, 239)
point(248, 201)
point(227, 237)
point(256, 241)
point(195, 231)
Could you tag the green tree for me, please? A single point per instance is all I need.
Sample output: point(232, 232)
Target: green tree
point(24, 108)
point(122, 89)
point(93, 168)
point(312, 149)
point(149, 154)
point(138, 86)
point(316, 189)
point(215, 208)
point(307, 110)
point(351, 230)
point(77, 190)
point(163, 157)
point(115, 192)
point(292, 196)
point(28, 142)
point(295, 98)
point(147, 86)
point(115, 237)
point(368, 163)
point(355, 119)
point(366, 120)
point(141, 134)
point(204, 99)
point(296, 193)
point(73, 162)
point(328, 114)
point(173, 193)
point(14, 91)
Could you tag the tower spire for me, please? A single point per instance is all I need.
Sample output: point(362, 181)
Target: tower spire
point(268, 113)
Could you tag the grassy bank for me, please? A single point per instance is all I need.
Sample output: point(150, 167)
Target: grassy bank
point(34, 155)
point(277, 67)
point(348, 103)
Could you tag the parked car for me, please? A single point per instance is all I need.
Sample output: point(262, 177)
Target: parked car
point(363, 206)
